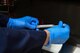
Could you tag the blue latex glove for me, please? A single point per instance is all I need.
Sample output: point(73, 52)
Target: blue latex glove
point(24, 22)
point(59, 34)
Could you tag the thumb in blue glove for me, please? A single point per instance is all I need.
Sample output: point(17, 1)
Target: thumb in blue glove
point(59, 34)
point(24, 22)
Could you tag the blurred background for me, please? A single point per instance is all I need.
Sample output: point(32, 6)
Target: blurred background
point(48, 12)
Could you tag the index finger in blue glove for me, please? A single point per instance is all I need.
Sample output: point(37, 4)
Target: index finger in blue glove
point(60, 24)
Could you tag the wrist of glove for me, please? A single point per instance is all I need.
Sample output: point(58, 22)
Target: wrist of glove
point(59, 34)
point(14, 23)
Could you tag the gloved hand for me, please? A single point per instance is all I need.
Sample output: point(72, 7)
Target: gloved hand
point(59, 34)
point(24, 22)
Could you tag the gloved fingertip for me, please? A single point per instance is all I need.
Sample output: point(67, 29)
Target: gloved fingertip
point(60, 24)
point(66, 25)
point(32, 23)
point(37, 29)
